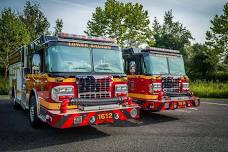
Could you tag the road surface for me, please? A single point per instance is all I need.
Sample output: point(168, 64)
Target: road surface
point(197, 129)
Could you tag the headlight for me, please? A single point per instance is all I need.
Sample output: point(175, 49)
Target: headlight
point(155, 87)
point(185, 86)
point(62, 92)
point(121, 89)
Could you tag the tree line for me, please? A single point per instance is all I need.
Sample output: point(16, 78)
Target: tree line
point(130, 26)
point(21, 28)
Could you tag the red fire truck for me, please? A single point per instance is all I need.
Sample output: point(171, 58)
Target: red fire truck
point(157, 79)
point(70, 80)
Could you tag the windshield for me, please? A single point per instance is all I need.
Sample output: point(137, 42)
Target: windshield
point(78, 59)
point(156, 64)
point(164, 65)
point(176, 65)
point(68, 59)
point(109, 61)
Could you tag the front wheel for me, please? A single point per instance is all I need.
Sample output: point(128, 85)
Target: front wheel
point(33, 115)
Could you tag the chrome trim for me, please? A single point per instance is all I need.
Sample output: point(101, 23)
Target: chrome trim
point(94, 87)
point(101, 107)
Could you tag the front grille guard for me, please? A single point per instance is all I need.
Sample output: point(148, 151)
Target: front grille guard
point(96, 102)
point(171, 84)
point(93, 87)
point(175, 94)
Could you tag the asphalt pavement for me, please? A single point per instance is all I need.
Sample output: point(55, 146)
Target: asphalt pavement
point(204, 128)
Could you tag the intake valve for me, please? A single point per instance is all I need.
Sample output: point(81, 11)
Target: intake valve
point(64, 104)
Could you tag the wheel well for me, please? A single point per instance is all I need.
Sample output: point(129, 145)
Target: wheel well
point(13, 93)
point(32, 93)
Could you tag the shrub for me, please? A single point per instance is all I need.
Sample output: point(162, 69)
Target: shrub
point(219, 76)
point(209, 89)
point(3, 86)
point(216, 76)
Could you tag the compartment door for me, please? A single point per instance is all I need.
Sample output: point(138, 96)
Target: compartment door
point(19, 81)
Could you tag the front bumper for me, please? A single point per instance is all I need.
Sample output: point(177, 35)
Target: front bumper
point(170, 104)
point(76, 117)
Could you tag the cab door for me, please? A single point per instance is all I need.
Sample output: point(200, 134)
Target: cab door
point(133, 71)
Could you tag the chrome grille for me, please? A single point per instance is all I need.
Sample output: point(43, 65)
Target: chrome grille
point(91, 87)
point(171, 84)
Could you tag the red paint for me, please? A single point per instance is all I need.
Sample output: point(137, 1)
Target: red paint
point(159, 106)
point(67, 120)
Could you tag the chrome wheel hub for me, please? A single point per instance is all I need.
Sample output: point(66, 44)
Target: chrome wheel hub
point(32, 113)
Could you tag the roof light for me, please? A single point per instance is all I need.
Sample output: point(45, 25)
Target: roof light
point(161, 50)
point(84, 37)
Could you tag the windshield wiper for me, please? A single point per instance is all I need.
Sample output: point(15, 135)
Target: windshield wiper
point(80, 68)
point(104, 69)
point(177, 73)
point(162, 73)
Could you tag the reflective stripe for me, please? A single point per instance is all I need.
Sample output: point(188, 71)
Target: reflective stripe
point(143, 96)
point(53, 106)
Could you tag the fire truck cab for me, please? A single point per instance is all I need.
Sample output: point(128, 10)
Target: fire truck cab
point(157, 79)
point(70, 80)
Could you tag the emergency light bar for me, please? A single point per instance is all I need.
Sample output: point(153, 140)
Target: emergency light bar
point(85, 38)
point(160, 50)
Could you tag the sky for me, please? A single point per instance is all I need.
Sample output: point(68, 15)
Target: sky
point(195, 15)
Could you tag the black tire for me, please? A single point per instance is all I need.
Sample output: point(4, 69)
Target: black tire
point(16, 106)
point(33, 116)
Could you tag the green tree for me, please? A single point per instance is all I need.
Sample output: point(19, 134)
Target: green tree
point(35, 20)
point(58, 26)
point(217, 39)
point(198, 65)
point(126, 22)
point(13, 34)
point(171, 34)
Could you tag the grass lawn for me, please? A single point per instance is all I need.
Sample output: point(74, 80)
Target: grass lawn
point(225, 99)
point(203, 89)
point(4, 97)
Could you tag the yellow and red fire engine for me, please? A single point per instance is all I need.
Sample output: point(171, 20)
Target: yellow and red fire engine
point(70, 80)
point(157, 79)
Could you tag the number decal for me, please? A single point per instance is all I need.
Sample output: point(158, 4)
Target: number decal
point(104, 116)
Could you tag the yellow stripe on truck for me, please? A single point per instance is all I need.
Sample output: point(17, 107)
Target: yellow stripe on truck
point(60, 79)
point(53, 106)
point(143, 96)
point(40, 76)
point(144, 77)
point(124, 79)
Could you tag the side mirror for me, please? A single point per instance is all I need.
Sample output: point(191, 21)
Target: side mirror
point(36, 63)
